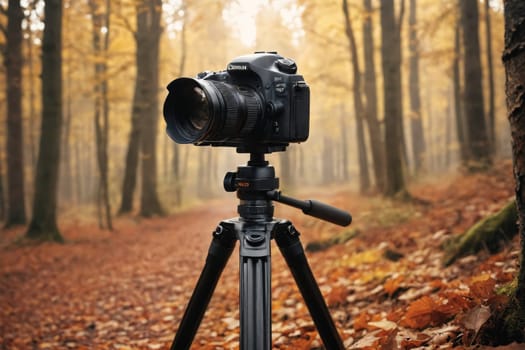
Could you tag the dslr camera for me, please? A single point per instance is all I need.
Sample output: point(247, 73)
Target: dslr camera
point(258, 104)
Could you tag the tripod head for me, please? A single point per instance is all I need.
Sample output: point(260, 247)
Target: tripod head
point(257, 186)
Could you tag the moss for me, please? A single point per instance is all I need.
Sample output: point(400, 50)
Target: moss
point(505, 326)
point(508, 289)
point(341, 238)
point(488, 233)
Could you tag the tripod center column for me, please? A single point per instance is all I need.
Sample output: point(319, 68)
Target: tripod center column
point(252, 182)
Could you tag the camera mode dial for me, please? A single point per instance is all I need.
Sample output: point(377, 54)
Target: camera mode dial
point(286, 65)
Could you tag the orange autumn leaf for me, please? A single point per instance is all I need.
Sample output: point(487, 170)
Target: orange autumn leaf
point(361, 321)
point(337, 296)
point(419, 313)
point(483, 289)
point(424, 312)
point(453, 303)
point(392, 284)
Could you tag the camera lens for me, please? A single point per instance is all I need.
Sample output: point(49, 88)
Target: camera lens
point(199, 117)
point(187, 110)
point(207, 111)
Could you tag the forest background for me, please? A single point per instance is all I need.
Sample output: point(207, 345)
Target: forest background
point(403, 94)
point(100, 70)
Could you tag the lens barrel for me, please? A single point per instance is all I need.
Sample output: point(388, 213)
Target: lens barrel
point(201, 111)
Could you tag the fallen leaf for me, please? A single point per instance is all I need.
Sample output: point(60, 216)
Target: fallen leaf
point(383, 324)
point(476, 318)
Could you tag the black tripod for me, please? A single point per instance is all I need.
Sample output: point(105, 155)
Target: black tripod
point(256, 187)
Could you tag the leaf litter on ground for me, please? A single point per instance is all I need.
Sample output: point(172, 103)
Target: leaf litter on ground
point(128, 289)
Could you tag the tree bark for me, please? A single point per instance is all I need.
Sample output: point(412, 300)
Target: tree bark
point(514, 61)
point(416, 118)
point(377, 144)
point(507, 325)
point(148, 45)
point(490, 72)
point(478, 142)
point(364, 178)
point(16, 213)
point(43, 225)
point(391, 62)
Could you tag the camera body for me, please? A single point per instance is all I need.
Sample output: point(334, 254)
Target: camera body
point(257, 103)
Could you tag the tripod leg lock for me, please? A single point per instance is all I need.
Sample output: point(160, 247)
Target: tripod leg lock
point(287, 238)
point(223, 243)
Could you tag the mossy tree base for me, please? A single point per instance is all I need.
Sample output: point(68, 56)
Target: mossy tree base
point(489, 233)
point(505, 326)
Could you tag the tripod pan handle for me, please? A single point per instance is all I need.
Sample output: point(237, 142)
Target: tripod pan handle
point(314, 208)
point(328, 213)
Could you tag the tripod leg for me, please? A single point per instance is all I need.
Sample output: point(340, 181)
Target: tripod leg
point(219, 252)
point(287, 239)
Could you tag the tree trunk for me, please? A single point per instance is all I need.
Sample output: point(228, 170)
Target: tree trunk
point(461, 127)
point(2, 199)
point(391, 62)
point(364, 178)
point(100, 19)
point(43, 225)
point(478, 142)
point(33, 120)
point(507, 326)
point(66, 180)
point(177, 173)
point(344, 147)
point(16, 213)
point(145, 113)
point(148, 45)
point(490, 71)
point(416, 118)
point(132, 159)
point(514, 60)
point(374, 128)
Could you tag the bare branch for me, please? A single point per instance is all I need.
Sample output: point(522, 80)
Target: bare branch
point(126, 24)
